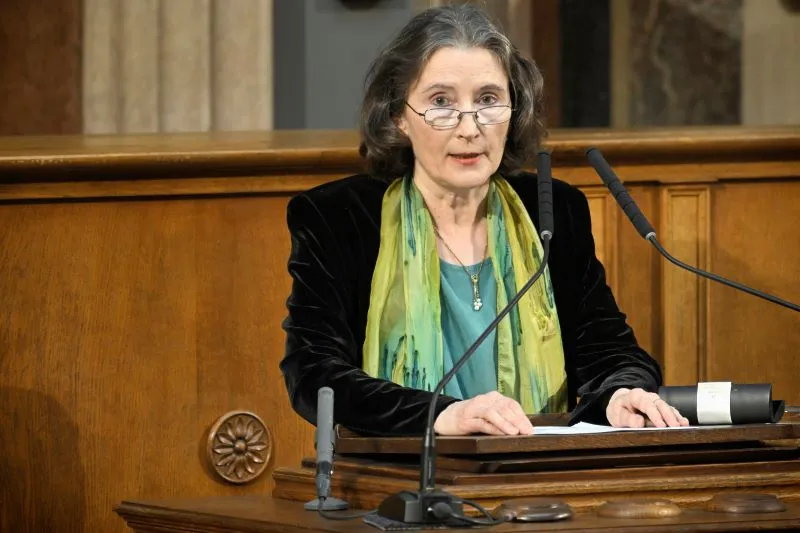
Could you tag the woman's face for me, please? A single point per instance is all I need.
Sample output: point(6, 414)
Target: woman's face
point(463, 157)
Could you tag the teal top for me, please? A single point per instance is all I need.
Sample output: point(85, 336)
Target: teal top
point(461, 325)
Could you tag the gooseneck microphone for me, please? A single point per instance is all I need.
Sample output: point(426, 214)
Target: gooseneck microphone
point(545, 174)
point(647, 231)
point(324, 445)
point(429, 505)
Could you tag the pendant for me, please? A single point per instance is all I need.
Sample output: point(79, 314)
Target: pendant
point(477, 303)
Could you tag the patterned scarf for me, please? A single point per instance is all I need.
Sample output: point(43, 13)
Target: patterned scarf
point(404, 340)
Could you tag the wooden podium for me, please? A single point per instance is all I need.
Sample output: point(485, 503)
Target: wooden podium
point(682, 468)
point(686, 466)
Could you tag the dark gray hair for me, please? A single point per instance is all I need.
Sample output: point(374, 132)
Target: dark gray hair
point(397, 67)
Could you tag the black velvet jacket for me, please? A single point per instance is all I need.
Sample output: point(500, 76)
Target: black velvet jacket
point(335, 231)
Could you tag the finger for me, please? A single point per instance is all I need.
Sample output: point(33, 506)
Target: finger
point(632, 420)
point(480, 425)
point(513, 412)
point(494, 416)
point(667, 413)
point(646, 403)
point(640, 397)
point(614, 413)
point(649, 408)
point(682, 419)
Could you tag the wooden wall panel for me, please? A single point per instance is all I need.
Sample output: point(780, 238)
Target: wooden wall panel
point(130, 327)
point(685, 234)
point(604, 212)
point(756, 242)
point(40, 67)
point(638, 289)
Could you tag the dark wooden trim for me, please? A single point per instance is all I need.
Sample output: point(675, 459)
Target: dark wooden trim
point(546, 51)
point(40, 67)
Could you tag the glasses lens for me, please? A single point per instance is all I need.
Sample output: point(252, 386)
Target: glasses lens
point(441, 117)
point(494, 114)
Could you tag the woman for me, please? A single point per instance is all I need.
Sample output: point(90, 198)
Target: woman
point(396, 273)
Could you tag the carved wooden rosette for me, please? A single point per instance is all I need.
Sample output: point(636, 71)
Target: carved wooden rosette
point(239, 447)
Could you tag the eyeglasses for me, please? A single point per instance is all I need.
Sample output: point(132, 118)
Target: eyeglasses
point(443, 118)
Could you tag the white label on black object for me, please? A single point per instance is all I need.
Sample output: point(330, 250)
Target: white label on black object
point(714, 403)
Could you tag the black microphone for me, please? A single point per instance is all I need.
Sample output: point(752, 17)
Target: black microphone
point(324, 445)
point(545, 173)
point(429, 505)
point(647, 231)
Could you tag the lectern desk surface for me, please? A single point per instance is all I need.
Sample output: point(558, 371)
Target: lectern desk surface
point(251, 514)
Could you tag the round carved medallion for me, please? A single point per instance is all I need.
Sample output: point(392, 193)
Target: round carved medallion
point(239, 447)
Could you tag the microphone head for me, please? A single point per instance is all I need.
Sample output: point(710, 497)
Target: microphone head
point(619, 193)
point(545, 174)
point(596, 159)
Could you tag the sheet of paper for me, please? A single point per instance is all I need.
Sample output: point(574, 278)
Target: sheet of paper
point(584, 428)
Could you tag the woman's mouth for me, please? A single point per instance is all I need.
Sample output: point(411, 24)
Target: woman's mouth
point(467, 158)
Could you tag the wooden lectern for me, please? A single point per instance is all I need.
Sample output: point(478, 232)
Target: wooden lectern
point(690, 470)
point(687, 466)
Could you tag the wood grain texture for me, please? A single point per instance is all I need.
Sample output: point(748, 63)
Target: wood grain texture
point(489, 444)
point(651, 156)
point(685, 226)
point(132, 326)
point(690, 487)
point(604, 213)
point(40, 67)
point(755, 239)
point(262, 514)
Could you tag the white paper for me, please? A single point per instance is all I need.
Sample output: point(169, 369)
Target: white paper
point(584, 428)
point(714, 402)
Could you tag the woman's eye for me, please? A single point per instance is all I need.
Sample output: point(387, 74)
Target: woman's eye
point(488, 99)
point(440, 101)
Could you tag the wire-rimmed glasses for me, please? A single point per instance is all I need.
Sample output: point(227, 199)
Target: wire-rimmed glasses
point(443, 118)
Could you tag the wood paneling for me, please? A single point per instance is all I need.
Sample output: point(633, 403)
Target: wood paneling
point(40, 67)
point(755, 240)
point(685, 226)
point(131, 327)
point(638, 290)
point(143, 281)
point(604, 212)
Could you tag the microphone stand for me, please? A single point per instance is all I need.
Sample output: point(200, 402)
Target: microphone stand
point(720, 279)
point(648, 232)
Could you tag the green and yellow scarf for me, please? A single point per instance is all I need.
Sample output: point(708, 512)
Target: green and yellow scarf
point(404, 340)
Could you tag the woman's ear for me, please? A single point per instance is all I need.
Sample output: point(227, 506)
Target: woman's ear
point(402, 124)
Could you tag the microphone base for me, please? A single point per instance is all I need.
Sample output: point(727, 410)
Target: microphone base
point(415, 507)
point(328, 504)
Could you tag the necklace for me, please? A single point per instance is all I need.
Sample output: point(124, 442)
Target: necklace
point(477, 303)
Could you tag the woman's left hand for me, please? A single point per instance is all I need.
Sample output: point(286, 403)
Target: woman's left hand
point(634, 408)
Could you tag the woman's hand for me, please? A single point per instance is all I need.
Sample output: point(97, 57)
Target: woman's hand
point(634, 408)
point(490, 413)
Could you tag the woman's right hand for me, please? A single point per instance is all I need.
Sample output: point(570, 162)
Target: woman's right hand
point(490, 413)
